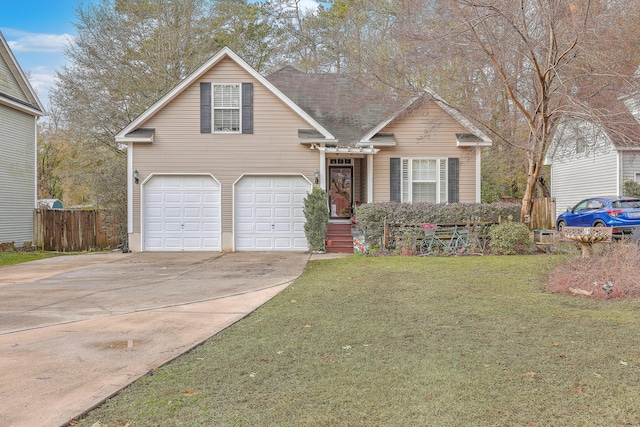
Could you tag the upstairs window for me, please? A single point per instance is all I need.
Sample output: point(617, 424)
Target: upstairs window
point(226, 108)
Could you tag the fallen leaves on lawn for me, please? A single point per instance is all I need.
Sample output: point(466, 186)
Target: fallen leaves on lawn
point(529, 374)
point(576, 389)
point(190, 393)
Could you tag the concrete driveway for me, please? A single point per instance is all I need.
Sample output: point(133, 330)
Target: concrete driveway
point(75, 330)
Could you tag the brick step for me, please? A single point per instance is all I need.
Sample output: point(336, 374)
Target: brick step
point(339, 234)
point(335, 250)
point(340, 242)
point(339, 226)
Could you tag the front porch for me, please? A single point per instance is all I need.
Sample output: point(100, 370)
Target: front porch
point(346, 178)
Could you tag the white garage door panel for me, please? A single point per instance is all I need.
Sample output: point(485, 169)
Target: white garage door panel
point(269, 213)
point(182, 213)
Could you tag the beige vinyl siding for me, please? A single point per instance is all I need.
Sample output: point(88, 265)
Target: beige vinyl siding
point(179, 147)
point(8, 83)
point(17, 175)
point(426, 132)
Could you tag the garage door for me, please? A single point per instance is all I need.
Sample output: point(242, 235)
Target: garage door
point(269, 213)
point(182, 213)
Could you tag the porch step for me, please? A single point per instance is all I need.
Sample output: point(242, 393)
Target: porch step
point(339, 238)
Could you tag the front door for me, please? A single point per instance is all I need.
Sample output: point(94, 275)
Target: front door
point(340, 191)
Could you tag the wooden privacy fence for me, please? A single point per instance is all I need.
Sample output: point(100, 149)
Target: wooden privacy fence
point(543, 214)
point(70, 230)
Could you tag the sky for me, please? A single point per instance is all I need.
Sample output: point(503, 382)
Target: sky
point(37, 32)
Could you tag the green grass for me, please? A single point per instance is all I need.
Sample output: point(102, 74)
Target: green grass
point(9, 258)
point(406, 341)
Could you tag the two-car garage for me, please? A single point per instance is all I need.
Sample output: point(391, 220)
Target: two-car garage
point(184, 213)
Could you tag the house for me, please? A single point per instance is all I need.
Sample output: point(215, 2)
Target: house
point(590, 159)
point(224, 161)
point(19, 112)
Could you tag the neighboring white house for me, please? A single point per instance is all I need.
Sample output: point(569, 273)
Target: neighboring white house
point(589, 159)
point(19, 112)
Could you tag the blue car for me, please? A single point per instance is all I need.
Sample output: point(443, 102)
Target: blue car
point(621, 213)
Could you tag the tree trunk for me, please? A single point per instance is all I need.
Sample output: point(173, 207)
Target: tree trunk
point(534, 162)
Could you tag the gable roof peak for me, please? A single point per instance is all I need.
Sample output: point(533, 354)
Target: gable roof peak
point(225, 52)
point(289, 69)
point(33, 104)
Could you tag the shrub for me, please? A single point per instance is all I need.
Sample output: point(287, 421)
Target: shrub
point(510, 238)
point(616, 263)
point(316, 214)
point(631, 189)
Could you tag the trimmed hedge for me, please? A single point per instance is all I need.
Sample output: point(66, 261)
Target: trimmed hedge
point(370, 217)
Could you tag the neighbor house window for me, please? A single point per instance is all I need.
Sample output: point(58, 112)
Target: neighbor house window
point(424, 180)
point(226, 108)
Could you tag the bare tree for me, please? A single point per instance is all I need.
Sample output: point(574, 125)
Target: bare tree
point(552, 62)
point(516, 67)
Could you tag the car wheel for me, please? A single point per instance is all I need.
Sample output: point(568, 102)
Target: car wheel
point(599, 224)
point(561, 225)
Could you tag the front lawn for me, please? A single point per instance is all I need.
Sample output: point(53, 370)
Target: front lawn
point(406, 341)
point(9, 258)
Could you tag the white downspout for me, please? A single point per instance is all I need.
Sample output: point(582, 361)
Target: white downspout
point(323, 168)
point(130, 188)
point(369, 178)
point(35, 163)
point(619, 173)
point(478, 174)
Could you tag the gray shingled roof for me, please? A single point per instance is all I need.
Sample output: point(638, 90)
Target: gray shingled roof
point(339, 103)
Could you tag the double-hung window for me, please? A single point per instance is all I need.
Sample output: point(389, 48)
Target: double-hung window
point(226, 108)
point(424, 180)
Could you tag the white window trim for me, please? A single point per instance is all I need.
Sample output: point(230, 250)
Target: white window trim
point(439, 162)
point(213, 108)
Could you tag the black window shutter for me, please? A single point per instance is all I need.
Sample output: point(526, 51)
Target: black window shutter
point(454, 180)
point(396, 180)
point(247, 107)
point(205, 107)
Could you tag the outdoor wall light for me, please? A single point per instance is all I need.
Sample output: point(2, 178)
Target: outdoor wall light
point(136, 177)
point(317, 176)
